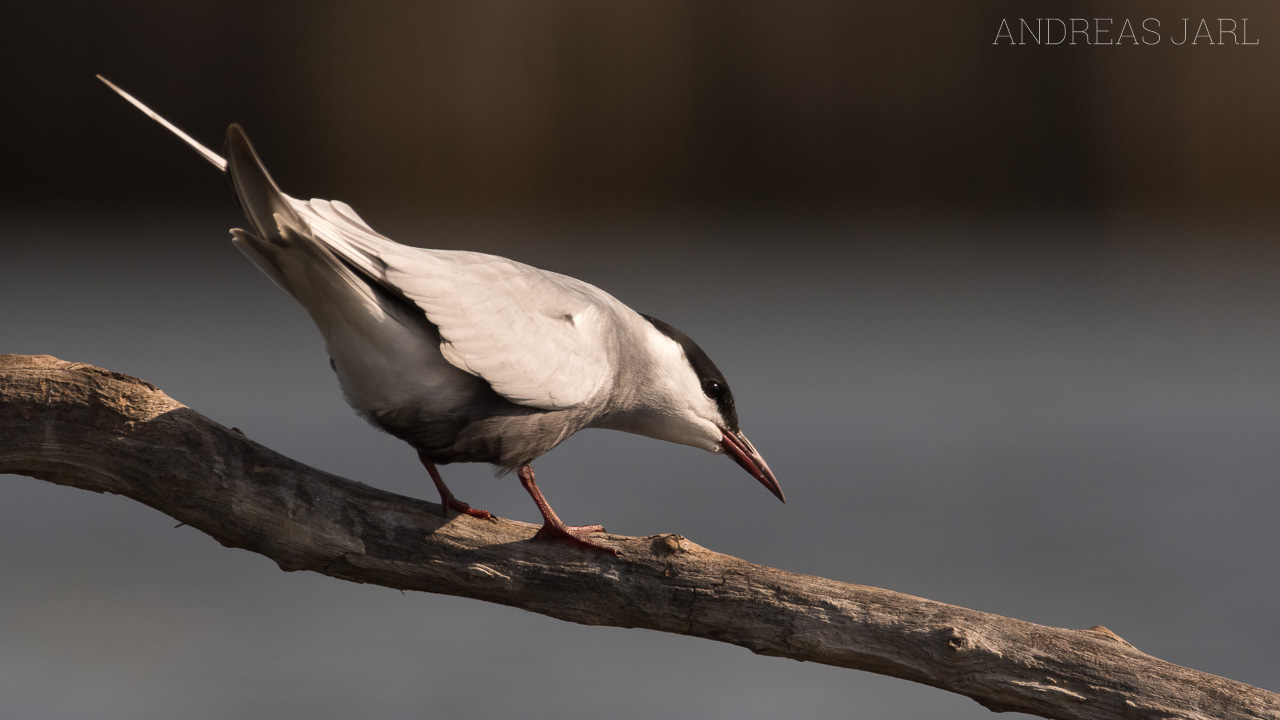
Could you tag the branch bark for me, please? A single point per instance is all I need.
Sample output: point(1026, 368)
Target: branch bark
point(82, 426)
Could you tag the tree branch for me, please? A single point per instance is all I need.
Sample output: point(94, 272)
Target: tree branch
point(81, 426)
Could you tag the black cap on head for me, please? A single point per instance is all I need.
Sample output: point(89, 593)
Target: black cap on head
point(713, 383)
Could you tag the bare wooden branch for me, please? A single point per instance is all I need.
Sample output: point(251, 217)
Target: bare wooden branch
point(78, 425)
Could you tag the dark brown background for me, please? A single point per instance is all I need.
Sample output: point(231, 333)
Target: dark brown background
point(458, 107)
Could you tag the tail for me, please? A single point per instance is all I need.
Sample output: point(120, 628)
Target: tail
point(268, 209)
point(284, 246)
point(281, 241)
point(257, 193)
point(205, 152)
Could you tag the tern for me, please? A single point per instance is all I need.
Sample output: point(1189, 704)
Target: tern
point(471, 357)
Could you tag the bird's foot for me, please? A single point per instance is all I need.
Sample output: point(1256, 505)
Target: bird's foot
point(552, 525)
point(447, 500)
point(453, 503)
point(574, 535)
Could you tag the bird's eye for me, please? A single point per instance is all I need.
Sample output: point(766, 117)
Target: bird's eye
point(712, 389)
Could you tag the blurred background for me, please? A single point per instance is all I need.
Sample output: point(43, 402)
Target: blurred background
point(1000, 317)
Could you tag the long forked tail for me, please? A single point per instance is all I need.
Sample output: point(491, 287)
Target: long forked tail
point(276, 225)
point(205, 152)
point(259, 196)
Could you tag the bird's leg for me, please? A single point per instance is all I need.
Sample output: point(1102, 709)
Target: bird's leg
point(553, 526)
point(447, 500)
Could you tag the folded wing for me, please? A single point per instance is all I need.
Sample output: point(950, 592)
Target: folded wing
point(539, 338)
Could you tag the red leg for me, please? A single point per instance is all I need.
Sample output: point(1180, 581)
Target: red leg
point(553, 526)
point(447, 500)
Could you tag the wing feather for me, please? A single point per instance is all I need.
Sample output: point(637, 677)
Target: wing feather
point(540, 339)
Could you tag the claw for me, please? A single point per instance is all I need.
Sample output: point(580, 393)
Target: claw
point(447, 500)
point(552, 526)
point(574, 535)
point(452, 503)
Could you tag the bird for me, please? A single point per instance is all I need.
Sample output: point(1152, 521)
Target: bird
point(471, 357)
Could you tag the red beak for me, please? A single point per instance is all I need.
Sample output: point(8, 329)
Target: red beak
point(740, 449)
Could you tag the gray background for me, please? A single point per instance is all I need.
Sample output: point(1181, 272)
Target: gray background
point(1000, 318)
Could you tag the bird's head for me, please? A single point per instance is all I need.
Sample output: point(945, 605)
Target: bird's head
point(689, 402)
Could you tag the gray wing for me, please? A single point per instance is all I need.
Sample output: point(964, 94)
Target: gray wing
point(539, 338)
